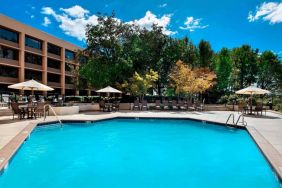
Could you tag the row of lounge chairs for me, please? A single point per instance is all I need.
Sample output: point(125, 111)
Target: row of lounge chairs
point(170, 105)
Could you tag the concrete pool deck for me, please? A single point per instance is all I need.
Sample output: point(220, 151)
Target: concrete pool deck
point(265, 130)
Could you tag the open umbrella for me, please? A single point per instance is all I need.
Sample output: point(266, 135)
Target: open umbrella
point(108, 90)
point(252, 90)
point(31, 85)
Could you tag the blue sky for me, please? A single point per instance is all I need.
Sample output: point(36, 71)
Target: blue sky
point(225, 23)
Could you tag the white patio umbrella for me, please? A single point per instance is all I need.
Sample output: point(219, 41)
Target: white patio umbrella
point(108, 90)
point(31, 85)
point(252, 90)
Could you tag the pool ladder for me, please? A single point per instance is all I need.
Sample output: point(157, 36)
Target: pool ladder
point(241, 117)
point(55, 114)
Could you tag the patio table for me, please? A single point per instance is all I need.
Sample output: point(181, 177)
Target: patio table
point(29, 110)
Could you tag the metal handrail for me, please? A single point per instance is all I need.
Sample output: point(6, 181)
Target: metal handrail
point(244, 123)
point(55, 114)
point(233, 118)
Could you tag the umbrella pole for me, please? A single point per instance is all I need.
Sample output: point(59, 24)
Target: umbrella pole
point(251, 103)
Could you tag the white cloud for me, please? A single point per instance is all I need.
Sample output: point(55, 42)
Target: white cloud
point(32, 16)
point(271, 11)
point(75, 11)
point(163, 5)
point(73, 20)
point(46, 22)
point(150, 19)
point(192, 24)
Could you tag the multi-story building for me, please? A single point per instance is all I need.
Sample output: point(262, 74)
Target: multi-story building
point(27, 53)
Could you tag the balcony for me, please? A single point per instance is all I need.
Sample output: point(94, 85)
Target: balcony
point(53, 70)
point(8, 80)
point(54, 84)
point(33, 50)
point(69, 86)
point(54, 56)
point(9, 62)
point(9, 43)
point(33, 66)
point(68, 73)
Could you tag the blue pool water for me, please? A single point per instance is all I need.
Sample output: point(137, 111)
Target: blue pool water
point(143, 153)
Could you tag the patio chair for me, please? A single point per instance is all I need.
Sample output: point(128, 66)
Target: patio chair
point(136, 105)
point(174, 105)
point(16, 110)
point(39, 110)
point(190, 105)
point(182, 106)
point(200, 106)
point(259, 108)
point(144, 105)
point(242, 107)
point(158, 104)
point(102, 106)
point(165, 105)
point(116, 106)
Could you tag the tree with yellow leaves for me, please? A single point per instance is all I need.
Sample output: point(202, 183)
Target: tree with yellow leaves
point(186, 80)
point(138, 85)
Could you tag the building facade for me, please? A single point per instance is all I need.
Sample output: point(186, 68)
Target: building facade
point(27, 53)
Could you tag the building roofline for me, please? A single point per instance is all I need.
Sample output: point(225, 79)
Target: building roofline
point(13, 24)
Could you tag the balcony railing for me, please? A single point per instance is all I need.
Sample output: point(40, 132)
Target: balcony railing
point(54, 56)
point(33, 66)
point(8, 62)
point(34, 50)
point(8, 80)
point(9, 43)
point(54, 84)
point(53, 70)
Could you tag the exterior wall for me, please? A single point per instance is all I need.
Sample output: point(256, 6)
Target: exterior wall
point(24, 30)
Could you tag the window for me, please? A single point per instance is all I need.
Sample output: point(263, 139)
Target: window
point(9, 71)
point(69, 67)
point(54, 49)
point(53, 63)
point(9, 35)
point(9, 53)
point(31, 74)
point(68, 80)
point(69, 55)
point(33, 43)
point(53, 78)
point(82, 59)
point(32, 58)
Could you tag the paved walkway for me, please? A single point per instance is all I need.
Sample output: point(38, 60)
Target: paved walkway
point(266, 130)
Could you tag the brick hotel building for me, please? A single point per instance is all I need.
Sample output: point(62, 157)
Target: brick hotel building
point(27, 53)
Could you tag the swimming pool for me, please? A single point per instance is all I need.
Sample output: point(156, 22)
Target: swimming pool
point(138, 153)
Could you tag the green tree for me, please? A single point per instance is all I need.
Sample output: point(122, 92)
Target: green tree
point(269, 71)
point(205, 54)
point(223, 69)
point(245, 66)
point(107, 63)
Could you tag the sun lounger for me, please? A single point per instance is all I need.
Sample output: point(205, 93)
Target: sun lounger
point(190, 106)
point(165, 105)
point(144, 105)
point(158, 105)
point(182, 106)
point(174, 105)
point(136, 105)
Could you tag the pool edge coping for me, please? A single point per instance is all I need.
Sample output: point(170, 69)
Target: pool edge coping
point(273, 157)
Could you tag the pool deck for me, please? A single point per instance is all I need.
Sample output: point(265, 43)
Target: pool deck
point(265, 130)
